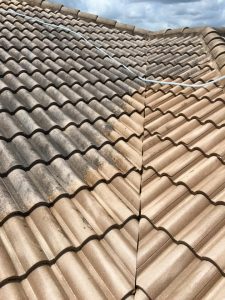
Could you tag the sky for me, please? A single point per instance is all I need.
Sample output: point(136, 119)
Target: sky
point(156, 14)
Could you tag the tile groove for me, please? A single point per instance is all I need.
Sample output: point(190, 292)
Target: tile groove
point(185, 185)
point(187, 118)
point(65, 157)
point(140, 193)
point(18, 278)
point(166, 138)
point(180, 242)
point(66, 195)
point(45, 108)
point(66, 126)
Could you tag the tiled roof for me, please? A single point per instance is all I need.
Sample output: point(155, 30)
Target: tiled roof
point(110, 188)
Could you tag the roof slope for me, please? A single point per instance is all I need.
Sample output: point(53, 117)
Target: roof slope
point(106, 182)
point(181, 232)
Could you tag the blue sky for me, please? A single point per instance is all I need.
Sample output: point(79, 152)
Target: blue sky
point(156, 14)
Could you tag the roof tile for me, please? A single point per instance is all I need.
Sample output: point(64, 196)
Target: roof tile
point(105, 21)
point(69, 11)
point(50, 5)
point(88, 16)
point(122, 26)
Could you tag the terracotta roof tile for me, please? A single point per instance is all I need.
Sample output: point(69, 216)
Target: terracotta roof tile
point(171, 269)
point(58, 277)
point(108, 182)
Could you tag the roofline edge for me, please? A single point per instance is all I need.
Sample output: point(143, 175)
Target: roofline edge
point(60, 8)
point(216, 45)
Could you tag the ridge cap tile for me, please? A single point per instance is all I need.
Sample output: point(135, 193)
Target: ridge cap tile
point(51, 5)
point(69, 11)
point(208, 30)
point(106, 21)
point(86, 16)
point(216, 48)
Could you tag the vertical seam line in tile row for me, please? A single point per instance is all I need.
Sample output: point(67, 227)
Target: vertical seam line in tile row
point(141, 179)
point(18, 278)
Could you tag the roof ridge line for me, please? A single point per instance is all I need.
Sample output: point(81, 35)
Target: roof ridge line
point(60, 8)
point(132, 29)
point(216, 45)
point(183, 30)
point(201, 30)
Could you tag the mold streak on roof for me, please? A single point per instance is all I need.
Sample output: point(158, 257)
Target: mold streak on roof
point(110, 188)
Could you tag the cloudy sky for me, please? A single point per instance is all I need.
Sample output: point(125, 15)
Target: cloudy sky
point(156, 14)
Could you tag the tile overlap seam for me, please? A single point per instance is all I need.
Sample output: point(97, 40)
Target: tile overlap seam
point(96, 237)
point(178, 183)
point(176, 115)
point(65, 157)
point(166, 138)
point(181, 242)
point(65, 127)
point(67, 195)
point(46, 108)
point(100, 237)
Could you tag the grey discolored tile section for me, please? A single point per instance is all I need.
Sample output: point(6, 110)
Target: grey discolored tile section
point(70, 150)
